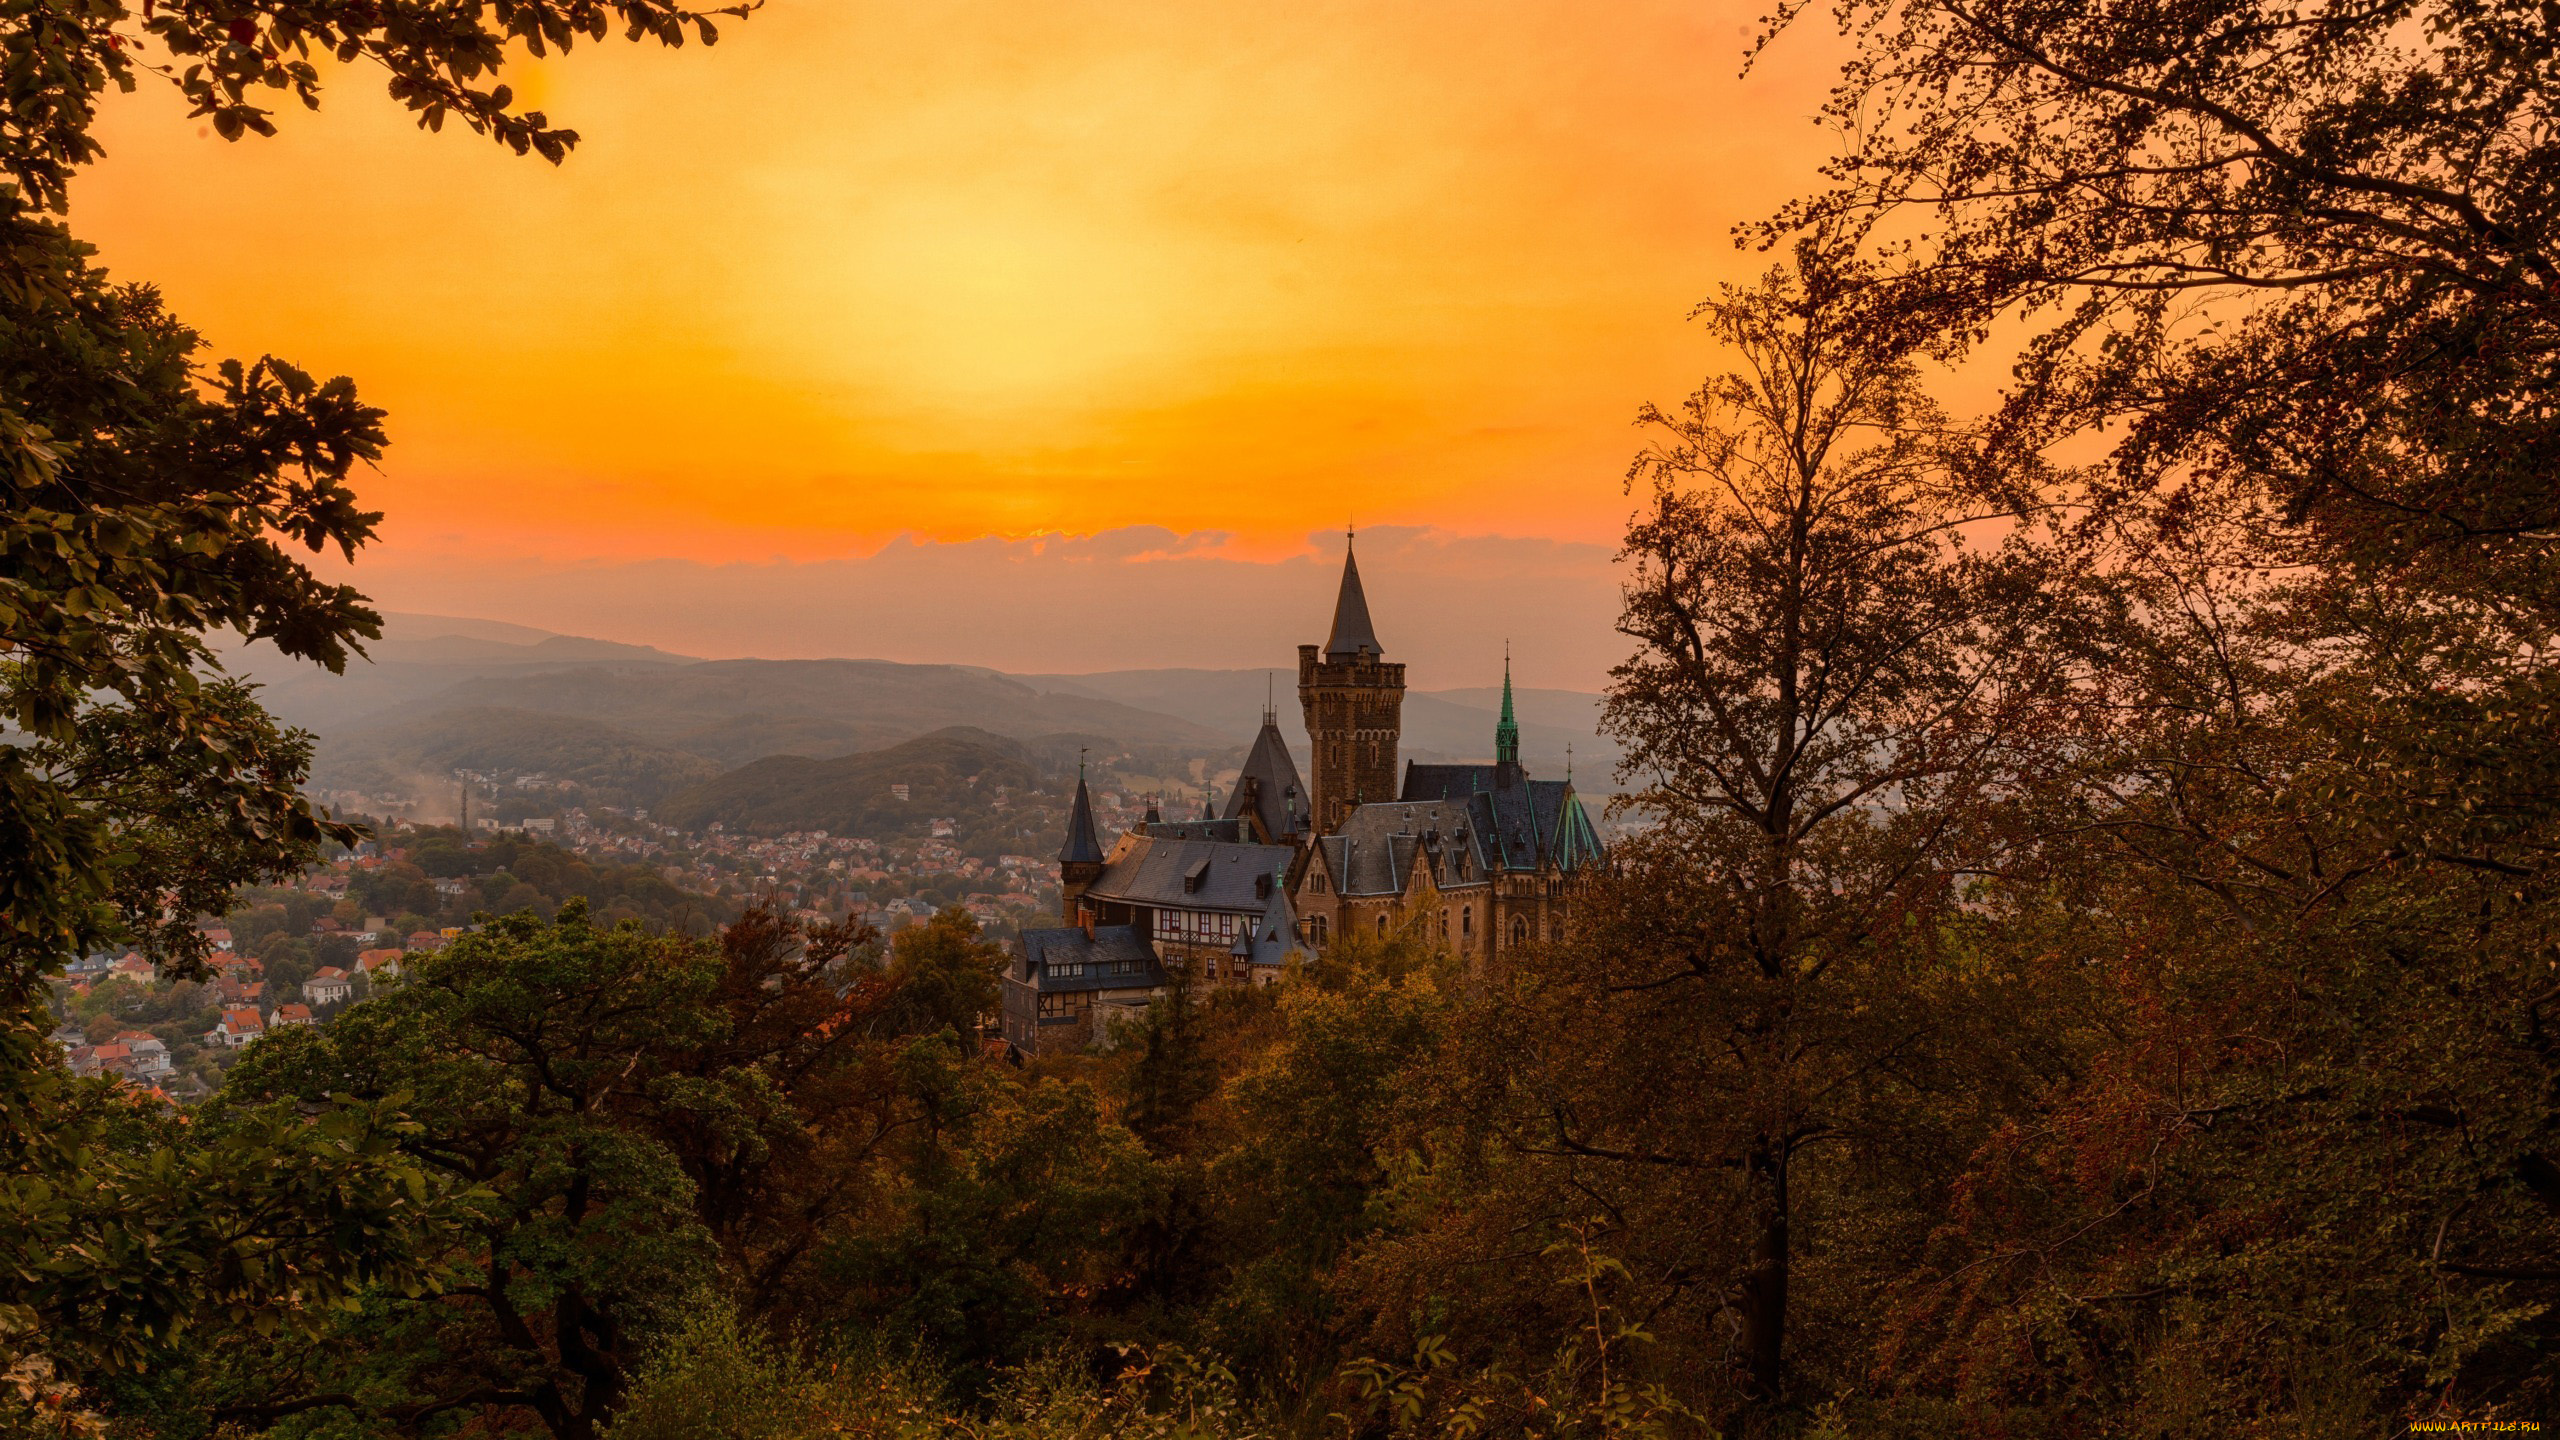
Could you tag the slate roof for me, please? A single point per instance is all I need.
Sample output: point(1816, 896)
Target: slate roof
point(1151, 870)
point(1352, 631)
point(1269, 783)
point(1084, 845)
point(1375, 848)
point(1114, 957)
point(1274, 934)
point(1231, 831)
point(1522, 823)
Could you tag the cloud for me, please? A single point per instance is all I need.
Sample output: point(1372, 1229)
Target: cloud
point(1134, 598)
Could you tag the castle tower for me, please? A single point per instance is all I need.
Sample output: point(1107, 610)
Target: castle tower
point(1354, 705)
point(1080, 860)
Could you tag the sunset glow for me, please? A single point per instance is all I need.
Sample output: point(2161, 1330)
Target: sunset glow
point(960, 269)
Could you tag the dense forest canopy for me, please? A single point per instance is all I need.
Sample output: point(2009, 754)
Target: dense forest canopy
point(2089, 971)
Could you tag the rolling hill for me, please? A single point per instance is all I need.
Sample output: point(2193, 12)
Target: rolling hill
point(606, 764)
point(953, 772)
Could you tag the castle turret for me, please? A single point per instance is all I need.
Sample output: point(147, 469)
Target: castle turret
point(1354, 704)
point(1080, 859)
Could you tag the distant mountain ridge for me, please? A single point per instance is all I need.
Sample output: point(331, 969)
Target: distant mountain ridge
point(631, 721)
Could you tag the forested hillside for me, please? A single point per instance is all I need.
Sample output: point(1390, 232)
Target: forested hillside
point(960, 772)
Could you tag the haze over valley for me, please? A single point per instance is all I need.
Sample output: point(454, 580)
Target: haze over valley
point(596, 723)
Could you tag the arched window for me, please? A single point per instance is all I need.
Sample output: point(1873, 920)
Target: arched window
point(1555, 931)
point(1382, 922)
point(1520, 930)
point(1444, 925)
point(1466, 919)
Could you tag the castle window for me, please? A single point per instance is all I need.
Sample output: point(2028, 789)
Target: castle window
point(1520, 930)
point(1382, 924)
point(1467, 920)
point(1555, 931)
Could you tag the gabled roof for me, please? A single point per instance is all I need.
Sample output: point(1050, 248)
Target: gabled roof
point(1113, 957)
point(1084, 845)
point(1528, 822)
point(1375, 850)
point(1352, 632)
point(1269, 785)
point(1172, 874)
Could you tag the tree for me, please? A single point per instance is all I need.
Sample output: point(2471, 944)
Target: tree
point(149, 497)
point(523, 1049)
point(2290, 271)
point(944, 975)
point(2306, 256)
point(1846, 667)
point(1317, 1127)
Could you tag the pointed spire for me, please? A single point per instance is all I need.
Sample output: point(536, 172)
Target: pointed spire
point(1352, 632)
point(1084, 845)
point(1506, 734)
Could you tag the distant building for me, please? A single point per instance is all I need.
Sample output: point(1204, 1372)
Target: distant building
point(1477, 858)
point(284, 1015)
point(237, 1027)
point(1216, 909)
point(1480, 857)
point(329, 985)
point(148, 1055)
point(1066, 984)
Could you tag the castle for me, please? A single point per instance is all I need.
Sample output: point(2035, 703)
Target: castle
point(1478, 858)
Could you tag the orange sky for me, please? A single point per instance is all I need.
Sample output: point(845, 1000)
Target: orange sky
point(950, 269)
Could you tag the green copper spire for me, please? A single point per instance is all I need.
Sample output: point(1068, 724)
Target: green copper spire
point(1506, 736)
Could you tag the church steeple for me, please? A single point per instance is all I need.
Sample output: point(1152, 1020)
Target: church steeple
point(1352, 632)
point(1506, 735)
